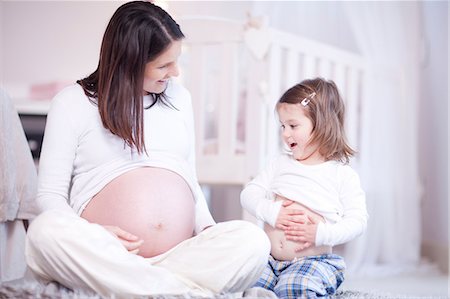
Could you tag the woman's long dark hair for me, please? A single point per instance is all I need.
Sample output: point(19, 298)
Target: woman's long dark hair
point(137, 33)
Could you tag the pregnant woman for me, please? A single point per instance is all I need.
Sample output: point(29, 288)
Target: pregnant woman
point(122, 211)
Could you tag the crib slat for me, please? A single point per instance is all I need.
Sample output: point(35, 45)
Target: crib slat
point(309, 66)
point(194, 83)
point(256, 121)
point(324, 68)
point(228, 100)
point(352, 104)
point(275, 91)
point(292, 68)
point(340, 79)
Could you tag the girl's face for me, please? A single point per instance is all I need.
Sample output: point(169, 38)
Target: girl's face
point(296, 131)
point(158, 71)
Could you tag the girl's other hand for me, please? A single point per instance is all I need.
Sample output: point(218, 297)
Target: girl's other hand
point(303, 233)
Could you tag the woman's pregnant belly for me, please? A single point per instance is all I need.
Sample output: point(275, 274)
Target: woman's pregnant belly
point(154, 204)
point(285, 250)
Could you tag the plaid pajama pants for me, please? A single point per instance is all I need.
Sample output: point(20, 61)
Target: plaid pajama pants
point(306, 277)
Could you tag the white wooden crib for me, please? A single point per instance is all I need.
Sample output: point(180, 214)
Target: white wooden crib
point(236, 73)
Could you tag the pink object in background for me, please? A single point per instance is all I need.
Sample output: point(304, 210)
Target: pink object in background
point(46, 91)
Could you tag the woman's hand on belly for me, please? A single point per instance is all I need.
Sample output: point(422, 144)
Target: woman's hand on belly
point(130, 241)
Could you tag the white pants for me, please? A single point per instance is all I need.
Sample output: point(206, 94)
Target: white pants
point(227, 257)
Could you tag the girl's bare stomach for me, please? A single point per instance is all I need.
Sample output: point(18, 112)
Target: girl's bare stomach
point(154, 204)
point(285, 250)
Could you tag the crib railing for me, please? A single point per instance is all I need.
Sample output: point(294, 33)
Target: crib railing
point(234, 92)
point(292, 58)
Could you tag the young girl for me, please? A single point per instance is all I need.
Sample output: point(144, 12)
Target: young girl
point(309, 199)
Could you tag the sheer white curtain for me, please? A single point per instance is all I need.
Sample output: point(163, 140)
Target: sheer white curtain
point(387, 34)
point(389, 37)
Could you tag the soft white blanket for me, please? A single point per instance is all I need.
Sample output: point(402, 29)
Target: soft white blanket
point(31, 289)
point(18, 177)
point(27, 289)
point(18, 183)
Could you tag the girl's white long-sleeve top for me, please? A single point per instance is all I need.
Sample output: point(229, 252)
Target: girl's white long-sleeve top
point(330, 189)
point(79, 156)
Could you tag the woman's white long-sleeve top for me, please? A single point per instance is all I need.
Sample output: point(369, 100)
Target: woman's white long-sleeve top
point(330, 189)
point(79, 156)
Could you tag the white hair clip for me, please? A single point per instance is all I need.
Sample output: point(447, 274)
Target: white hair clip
point(306, 100)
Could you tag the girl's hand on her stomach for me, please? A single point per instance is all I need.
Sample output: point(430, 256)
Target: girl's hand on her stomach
point(130, 241)
point(304, 233)
point(288, 217)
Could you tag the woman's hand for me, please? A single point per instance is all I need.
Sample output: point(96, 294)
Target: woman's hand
point(130, 241)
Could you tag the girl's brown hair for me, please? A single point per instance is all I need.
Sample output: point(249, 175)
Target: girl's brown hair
point(325, 107)
point(137, 33)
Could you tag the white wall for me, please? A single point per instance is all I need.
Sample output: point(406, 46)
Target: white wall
point(1, 43)
point(48, 41)
point(60, 40)
point(235, 10)
point(433, 133)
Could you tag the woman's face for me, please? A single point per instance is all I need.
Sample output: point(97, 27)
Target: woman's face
point(161, 69)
